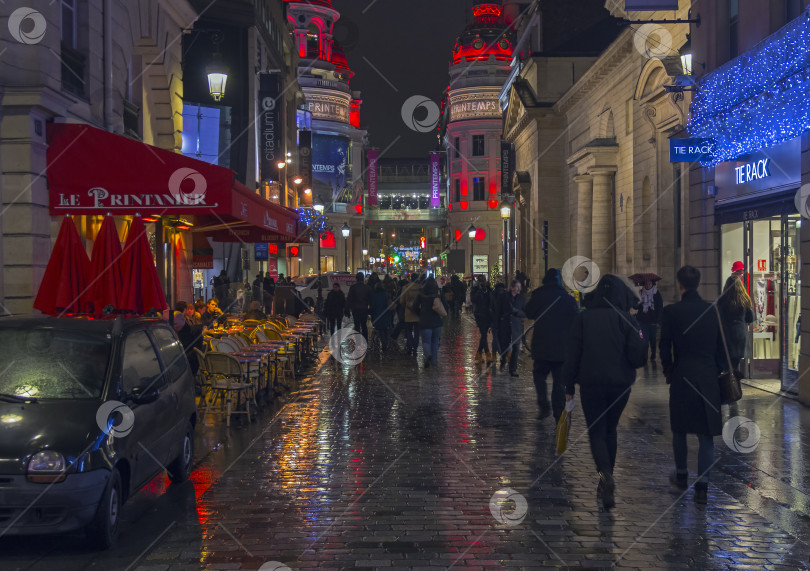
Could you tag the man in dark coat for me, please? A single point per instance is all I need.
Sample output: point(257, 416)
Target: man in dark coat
point(257, 289)
point(459, 294)
point(358, 302)
point(481, 297)
point(691, 349)
point(553, 312)
point(333, 308)
point(509, 313)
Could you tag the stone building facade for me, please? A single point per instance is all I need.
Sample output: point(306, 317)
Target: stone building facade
point(112, 64)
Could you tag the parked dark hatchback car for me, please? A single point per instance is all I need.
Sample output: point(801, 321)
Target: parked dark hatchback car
point(90, 411)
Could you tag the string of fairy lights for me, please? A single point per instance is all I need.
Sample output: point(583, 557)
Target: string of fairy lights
point(758, 99)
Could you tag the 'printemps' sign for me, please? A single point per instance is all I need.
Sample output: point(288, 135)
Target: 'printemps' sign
point(328, 107)
point(474, 106)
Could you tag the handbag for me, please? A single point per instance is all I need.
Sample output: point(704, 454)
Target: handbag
point(563, 428)
point(730, 387)
point(438, 307)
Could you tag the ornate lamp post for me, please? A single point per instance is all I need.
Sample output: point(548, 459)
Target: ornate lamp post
point(346, 231)
point(471, 234)
point(506, 213)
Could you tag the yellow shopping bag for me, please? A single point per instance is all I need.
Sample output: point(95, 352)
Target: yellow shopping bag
point(563, 427)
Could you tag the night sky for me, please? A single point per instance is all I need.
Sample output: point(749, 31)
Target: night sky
point(409, 43)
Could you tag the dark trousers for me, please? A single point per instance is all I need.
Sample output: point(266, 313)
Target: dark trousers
point(541, 370)
point(361, 321)
point(603, 407)
point(483, 343)
point(334, 324)
point(411, 335)
point(705, 454)
point(508, 344)
point(383, 333)
point(649, 331)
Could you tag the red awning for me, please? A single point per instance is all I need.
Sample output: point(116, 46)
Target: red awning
point(91, 171)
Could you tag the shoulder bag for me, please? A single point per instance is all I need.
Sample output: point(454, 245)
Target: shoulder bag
point(730, 387)
point(438, 307)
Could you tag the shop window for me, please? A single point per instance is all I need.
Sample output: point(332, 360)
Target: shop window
point(479, 186)
point(313, 41)
point(478, 146)
point(733, 28)
point(73, 61)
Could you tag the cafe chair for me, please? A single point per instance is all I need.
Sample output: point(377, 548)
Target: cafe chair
point(290, 320)
point(229, 386)
point(203, 380)
point(286, 360)
point(258, 335)
point(227, 345)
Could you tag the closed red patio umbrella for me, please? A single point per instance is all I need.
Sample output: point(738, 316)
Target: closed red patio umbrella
point(105, 268)
point(142, 290)
point(64, 287)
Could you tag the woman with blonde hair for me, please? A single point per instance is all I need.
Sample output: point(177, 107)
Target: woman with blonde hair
point(736, 313)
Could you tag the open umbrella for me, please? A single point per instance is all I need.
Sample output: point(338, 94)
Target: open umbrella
point(641, 279)
point(64, 285)
point(105, 268)
point(142, 290)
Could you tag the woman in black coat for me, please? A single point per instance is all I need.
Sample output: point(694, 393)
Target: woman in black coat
point(604, 350)
point(691, 349)
point(736, 311)
point(430, 322)
point(334, 307)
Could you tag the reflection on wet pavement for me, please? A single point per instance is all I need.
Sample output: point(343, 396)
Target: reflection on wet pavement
point(390, 465)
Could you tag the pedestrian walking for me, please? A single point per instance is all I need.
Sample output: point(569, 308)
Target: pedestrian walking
point(411, 319)
point(736, 312)
point(430, 322)
point(553, 312)
point(268, 293)
point(459, 291)
point(481, 297)
point(381, 314)
point(257, 289)
point(605, 348)
point(649, 314)
point(497, 291)
point(692, 355)
point(357, 303)
point(510, 314)
point(333, 308)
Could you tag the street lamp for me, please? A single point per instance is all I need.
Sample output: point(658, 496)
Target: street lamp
point(506, 213)
point(471, 234)
point(217, 73)
point(346, 231)
point(318, 208)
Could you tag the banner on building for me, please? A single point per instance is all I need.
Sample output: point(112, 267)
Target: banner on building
point(435, 180)
point(261, 251)
point(372, 177)
point(305, 158)
point(650, 5)
point(507, 166)
point(271, 143)
point(330, 159)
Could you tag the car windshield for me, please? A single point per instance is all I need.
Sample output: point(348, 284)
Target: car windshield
point(52, 364)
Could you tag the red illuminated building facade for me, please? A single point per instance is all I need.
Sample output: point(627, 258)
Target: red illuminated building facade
point(471, 130)
point(331, 110)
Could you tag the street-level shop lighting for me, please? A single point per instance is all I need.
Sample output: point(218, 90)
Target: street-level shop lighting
point(298, 180)
point(318, 208)
point(281, 164)
point(289, 161)
point(307, 191)
point(289, 154)
point(365, 252)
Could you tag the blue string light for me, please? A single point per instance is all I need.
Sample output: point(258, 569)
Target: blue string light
point(311, 219)
point(759, 99)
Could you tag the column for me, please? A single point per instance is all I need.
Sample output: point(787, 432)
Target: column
point(603, 240)
point(584, 215)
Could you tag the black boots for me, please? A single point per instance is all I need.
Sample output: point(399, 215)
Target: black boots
point(679, 480)
point(606, 490)
point(701, 492)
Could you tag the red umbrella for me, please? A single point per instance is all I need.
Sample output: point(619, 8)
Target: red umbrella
point(64, 286)
point(105, 268)
point(142, 290)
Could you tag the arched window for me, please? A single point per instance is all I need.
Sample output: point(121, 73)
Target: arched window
point(313, 41)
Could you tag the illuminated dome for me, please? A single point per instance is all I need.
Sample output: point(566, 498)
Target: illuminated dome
point(484, 37)
point(339, 60)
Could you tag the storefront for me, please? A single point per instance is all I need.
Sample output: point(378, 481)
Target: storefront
point(185, 203)
point(759, 226)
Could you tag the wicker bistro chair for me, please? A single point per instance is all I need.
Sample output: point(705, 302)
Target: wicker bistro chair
point(228, 381)
point(240, 340)
point(251, 323)
point(285, 359)
point(258, 335)
point(227, 345)
point(203, 380)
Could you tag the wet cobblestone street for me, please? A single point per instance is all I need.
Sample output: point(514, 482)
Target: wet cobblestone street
point(390, 465)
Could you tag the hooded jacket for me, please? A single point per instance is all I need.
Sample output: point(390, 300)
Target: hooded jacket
point(605, 346)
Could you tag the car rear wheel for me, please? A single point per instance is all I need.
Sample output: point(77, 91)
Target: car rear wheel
point(103, 531)
point(180, 468)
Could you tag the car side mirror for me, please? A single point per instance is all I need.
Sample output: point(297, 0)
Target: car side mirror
point(145, 394)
